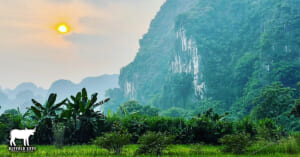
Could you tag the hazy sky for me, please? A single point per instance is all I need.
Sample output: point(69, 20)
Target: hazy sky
point(104, 37)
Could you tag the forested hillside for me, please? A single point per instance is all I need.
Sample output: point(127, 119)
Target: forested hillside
point(219, 54)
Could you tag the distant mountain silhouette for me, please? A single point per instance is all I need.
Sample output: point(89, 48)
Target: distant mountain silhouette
point(21, 96)
point(28, 86)
point(3, 98)
point(65, 88)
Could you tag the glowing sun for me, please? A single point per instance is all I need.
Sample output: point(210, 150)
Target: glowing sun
point(62, 28)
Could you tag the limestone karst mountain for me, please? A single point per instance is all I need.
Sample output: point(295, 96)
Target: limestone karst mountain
point(222, 50)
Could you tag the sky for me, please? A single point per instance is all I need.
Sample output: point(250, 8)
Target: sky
point(104, 37)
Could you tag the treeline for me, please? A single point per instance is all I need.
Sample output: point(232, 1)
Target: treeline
point(77, 120)
point(208, 127)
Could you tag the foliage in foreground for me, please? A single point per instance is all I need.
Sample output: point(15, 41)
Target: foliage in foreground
point(154, 143)
point(268, 130)
point(286, 146)
point(297, 138)
point(113, 142)
point(129, 151)
point(78, 115)
point(236, 143)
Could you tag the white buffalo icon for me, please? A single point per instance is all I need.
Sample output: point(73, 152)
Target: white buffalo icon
point(21, 134)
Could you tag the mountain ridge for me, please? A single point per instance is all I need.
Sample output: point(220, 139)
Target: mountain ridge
point(21, 96)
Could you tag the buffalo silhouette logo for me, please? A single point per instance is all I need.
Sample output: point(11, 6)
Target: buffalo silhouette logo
point(21, 134)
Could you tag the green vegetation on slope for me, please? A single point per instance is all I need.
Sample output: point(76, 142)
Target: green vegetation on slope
point(224, 51)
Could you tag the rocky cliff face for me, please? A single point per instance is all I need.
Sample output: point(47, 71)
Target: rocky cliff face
point(220, 49)
point(146, 74)
point(187, 59)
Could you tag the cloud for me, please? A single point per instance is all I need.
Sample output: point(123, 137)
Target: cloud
point(107, 2)
point(60, 1)
point(101, 3)
point(104, 37)
point(78, 38)
point(98, 3)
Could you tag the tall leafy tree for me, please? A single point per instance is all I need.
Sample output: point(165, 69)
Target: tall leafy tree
point(132, 107)
point(296, 108)
point(273, 101)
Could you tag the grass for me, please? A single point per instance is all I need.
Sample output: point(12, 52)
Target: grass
point(129, 150)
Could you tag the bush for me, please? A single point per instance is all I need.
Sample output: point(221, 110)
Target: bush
point(154, 143)
point(208, 130)
point(135, 124)
point(247, 126)
point(236, 143)
point(268, 130)
point(113, 142)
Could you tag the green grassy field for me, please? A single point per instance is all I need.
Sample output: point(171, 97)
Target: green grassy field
point(173, 150)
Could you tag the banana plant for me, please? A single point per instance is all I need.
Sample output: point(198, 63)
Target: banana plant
point(48, 110)
point(45, 115)
point(81, 106)
point(81, 111)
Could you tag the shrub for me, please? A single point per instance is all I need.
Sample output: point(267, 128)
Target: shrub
point(247, 126)
point(154, 143)
point(113, 142)
point(268, 130)
point(236, 143)
point(135, 124)
point(208, 130)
